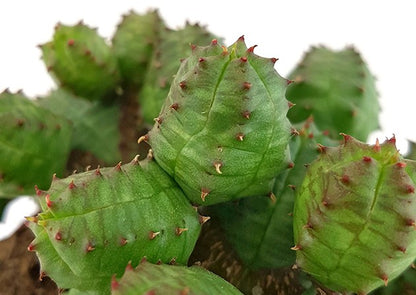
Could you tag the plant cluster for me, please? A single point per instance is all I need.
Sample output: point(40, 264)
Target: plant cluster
point(261, 181)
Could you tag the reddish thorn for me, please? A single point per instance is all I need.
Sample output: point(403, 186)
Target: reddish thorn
point(290, 104)
point(246, 85)
point(153, 234)
point(72, 185)
point(193, 47)
point(325, 132)
point(346, 137)
point(49, 203)
point(293, 187)
point(308, 225)
point(288, 82)
point(159, 262)
point(240, 136)
point(402, 249)
point(201, 59)
point(182, 84)
point(345, 179)
point(70, 42)
point(58, 236)
point(174, 106)
point(290, 165)
point(114, 283)
point(144, 138)
point(214, 42)
point(296, 248)
point(204, 194)
point(42, 275)
point(129, 267)
point(246, 114)
point(392, 140)
point(241, 38)
point(274, 60)
point(410, 189)
point(98, 171)
point(158, 120)
point(172, 261)
point(411, 222)
point(118, 167)
point(251, 49)
point(179, 231)
point(293, 131)
point(400, 164)
point(203, 219)
point(90, 247)
point(377, 146)
point(144, 260)
point(310, 135)
point(38, 191)
point(321, 148)
point(385, 279)
point(243, 59)
point(367, 159)
point(325, 203)
point(55, 178)
point(123, 241)
point(31, 247)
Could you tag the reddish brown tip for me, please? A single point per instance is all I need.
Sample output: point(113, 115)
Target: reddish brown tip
point(296, 248)
point(114, 283)
point(182, 84)
point(367, 159)
point(71, 42)
point(58, 236)
point(251, 49)
point(214, 42)
point(204, 194)
point(243, 59)
point(174, 106)
point(49, 203)
point(274, 60)
point(246, 85)
point(345, 179)
point(72, 185)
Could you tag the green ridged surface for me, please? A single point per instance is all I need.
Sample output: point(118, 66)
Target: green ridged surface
point(223, 132)
point(95, 124)
point(34, 144)
point(354, 217)
point(82, 62)
point(260, 229)
point(93, 223)
point(172, 46)
point(133, 45)
point(338, 90)
point(149, 278)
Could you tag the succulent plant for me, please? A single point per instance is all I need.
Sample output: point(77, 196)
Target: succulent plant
point(81, 61)
point(260, 228)
point(95, 124)
point(338, 90)
point(224, 145)
point(134, 43)
point(172, 46)
point(354, 217)
point(222, 133)
point(93, 223)
point(27, 157)
point(149, 278)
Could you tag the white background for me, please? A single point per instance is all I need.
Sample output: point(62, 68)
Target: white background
point(383, 31)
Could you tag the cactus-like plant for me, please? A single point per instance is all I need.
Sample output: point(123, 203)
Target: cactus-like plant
point(93, 223)
point(27, 157)
point(223, 136)
point(354, 218)
point(223, 133)
point(337, 88)
point(167, 279)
